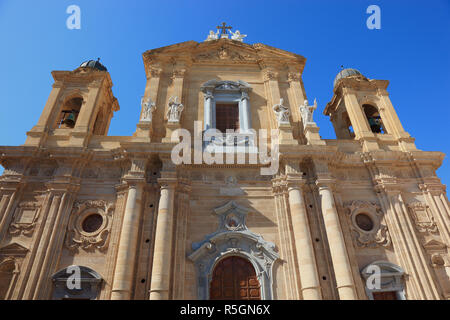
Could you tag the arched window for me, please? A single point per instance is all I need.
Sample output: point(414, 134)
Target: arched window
point(76, 283)
point(347, 125)
point(69, 113)
point(384, 281)
point(374, 119)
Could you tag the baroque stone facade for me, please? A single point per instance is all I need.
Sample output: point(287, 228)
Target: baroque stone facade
point(130, 223)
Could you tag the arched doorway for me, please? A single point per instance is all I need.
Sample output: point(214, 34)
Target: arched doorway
point(234, 278)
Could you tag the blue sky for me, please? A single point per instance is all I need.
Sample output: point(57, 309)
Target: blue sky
point(412, 51)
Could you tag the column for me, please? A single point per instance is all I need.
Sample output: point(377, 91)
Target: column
point(153, 80)
point(208, 111)
point(162, 254)
point(272, 92)
point(339, 255)
point(304, 246)
point(126, 255)
point(245, 117)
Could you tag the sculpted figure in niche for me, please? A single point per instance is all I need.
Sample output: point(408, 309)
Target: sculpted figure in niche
point(282, 112)
point(175, 109)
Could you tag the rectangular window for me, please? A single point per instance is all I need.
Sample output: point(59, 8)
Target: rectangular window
point(227, 116)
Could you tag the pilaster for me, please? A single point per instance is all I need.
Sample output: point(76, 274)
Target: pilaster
point(162, 254)
point(339, 255)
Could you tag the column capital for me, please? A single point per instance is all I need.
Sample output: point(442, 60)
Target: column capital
point(326, 183)
point(389, 189)
point(244, 94)
point(167, 183)
point(433, 188)
point(178, 73)
point(136, 173)
point(135, 183)
point(295, 181)
point(154, 72)
point(294, 77)
point(270, 74)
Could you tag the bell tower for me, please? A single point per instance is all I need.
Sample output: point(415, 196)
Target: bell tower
point(361, 109)
point(81, 105)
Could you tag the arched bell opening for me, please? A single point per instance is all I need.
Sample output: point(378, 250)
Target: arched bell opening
point(69, 113)
point(347, 126)
point(374, 119)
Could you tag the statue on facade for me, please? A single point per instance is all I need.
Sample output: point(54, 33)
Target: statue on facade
point(175, 109)
point(148, 107)
point(212, 35)
point(282, 112)
point(237, 36)
point(307, 112)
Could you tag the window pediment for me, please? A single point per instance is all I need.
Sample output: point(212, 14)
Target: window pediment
point(225, 85)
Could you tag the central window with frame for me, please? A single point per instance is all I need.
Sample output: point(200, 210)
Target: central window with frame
point(227, 107)
point(227, 116)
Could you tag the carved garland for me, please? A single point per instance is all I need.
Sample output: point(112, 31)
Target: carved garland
point(378, 235)
point(78, 237)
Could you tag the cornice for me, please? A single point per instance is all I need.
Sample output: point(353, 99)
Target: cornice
point(352, 84)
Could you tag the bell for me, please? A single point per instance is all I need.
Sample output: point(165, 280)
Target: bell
point(70, 120)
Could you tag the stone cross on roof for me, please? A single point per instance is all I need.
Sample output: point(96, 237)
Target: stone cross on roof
point(224, 28)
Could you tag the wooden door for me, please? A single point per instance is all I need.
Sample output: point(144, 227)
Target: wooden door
point(234, 278)
point(387, 295)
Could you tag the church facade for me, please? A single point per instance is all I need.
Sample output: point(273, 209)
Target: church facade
point(264, 208)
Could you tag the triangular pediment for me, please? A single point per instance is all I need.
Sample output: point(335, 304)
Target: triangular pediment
point(433, 244)
point(224, 50)
point(13, 249)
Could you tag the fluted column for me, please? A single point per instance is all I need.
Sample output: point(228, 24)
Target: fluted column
point(305, 251)
point(162, 254)
point(126, 255)
point(339, 255)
